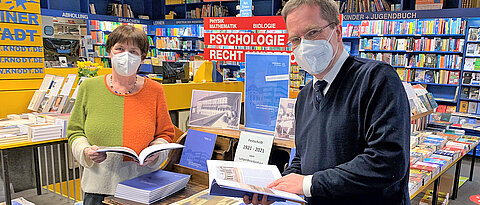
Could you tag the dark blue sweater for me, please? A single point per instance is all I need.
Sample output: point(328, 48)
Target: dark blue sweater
point(357, 144)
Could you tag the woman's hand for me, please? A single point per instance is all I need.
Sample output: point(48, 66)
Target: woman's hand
point(150, 159)
point(97, 157)
point(255, 200)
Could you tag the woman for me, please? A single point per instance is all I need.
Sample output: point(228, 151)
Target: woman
point(119, 109)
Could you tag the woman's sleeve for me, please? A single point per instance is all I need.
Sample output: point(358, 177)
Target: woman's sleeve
point(75, 129)
point(164, 126)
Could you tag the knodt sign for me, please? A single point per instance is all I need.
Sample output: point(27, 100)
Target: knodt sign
point(21, 44)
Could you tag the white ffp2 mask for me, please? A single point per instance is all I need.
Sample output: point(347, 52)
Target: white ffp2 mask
point(125, 63)
point(314, 55)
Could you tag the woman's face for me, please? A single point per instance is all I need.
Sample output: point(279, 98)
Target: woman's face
point(125, 47)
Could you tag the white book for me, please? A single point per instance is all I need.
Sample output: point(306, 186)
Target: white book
point(237, 179)
point(52, 94)
point(40, 93)
point(61, 100)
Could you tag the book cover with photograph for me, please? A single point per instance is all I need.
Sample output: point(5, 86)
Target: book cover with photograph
point(215, 109)
point(237, 179)
point(285, 125)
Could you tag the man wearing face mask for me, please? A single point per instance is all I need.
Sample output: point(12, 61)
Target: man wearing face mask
point(118, 109)
point(352, 121)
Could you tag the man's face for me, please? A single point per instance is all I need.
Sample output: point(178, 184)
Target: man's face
point(304, 19)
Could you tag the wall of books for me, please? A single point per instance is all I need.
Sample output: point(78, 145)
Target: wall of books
point(429, 52)
point(99, 30)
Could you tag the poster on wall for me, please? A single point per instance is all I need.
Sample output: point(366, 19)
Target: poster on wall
point(21, 51)
point(266, 82)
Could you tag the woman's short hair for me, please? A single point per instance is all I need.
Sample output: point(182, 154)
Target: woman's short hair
point(129, 34)
point(328, 9)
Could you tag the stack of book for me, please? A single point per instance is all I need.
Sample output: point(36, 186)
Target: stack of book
point(152, 187)
point(42, 132)
point(433, 150)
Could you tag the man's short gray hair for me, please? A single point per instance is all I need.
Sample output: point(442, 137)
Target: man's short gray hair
point(328, 9)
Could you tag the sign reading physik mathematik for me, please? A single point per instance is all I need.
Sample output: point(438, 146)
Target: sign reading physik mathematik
point(21, 44)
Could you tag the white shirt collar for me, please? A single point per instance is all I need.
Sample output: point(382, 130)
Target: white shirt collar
point(330, 76)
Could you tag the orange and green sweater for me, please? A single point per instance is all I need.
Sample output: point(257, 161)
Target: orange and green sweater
point(101, 117)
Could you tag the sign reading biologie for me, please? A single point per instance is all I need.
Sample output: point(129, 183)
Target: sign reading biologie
point(229, 38)
point(21, 44)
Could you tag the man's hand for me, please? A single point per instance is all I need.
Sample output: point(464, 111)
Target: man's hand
point(97, 157)
point(255, 201)
point(292, 183)
point(150, 159)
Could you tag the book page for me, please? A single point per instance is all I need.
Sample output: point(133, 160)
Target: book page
point(155, 148)
point(241, 176)
point(122, 150)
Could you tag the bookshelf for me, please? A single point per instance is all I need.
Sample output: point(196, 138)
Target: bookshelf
point(99, 30)
point(423, 51)
point(174, 40)
point(470, 83)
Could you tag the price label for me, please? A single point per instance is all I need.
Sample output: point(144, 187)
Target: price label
point(254, 148)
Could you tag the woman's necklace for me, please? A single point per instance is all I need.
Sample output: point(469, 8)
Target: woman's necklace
point(128, 92)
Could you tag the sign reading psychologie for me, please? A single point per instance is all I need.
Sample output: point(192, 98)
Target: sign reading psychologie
point(21, 44)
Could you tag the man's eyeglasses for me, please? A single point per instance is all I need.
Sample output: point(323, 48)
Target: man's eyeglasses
point(310, 35)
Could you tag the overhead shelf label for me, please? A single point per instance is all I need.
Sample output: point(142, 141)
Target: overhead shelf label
point(245, 23)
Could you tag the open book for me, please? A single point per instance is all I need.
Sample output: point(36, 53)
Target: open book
point(144, 154)
point(237, 179)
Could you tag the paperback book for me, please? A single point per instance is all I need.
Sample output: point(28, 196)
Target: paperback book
point(152, 187)
point(144, 154)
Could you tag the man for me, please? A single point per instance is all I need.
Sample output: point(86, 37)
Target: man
point(352, 121)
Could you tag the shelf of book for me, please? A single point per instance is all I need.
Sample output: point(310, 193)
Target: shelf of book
point(473, 71)
point(351, 37)
point(470, 85)
point(414, 35)
point(418, 116)
point(405, 51)
point(183, 36)
point(422, 188)
point(473, 41)
point(449, 85)
point(186, 50)
point(445, 100)
point(472, 56)
point(429, 68)
point(473, 100)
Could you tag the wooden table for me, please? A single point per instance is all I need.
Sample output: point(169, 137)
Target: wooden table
point(236, 135)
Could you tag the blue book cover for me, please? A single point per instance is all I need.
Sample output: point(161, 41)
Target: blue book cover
point(198, 149)
point(266, 81)
point(154, 180)
point(293, 151)
point(376, 43)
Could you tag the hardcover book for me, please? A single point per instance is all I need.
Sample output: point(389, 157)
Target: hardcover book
point(237, 179)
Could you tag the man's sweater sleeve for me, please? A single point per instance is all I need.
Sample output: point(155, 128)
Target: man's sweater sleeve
point(75, 129)
point(295, 166)
point(384, 161)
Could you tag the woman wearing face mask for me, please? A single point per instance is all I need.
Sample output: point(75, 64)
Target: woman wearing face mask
point(118, 109)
